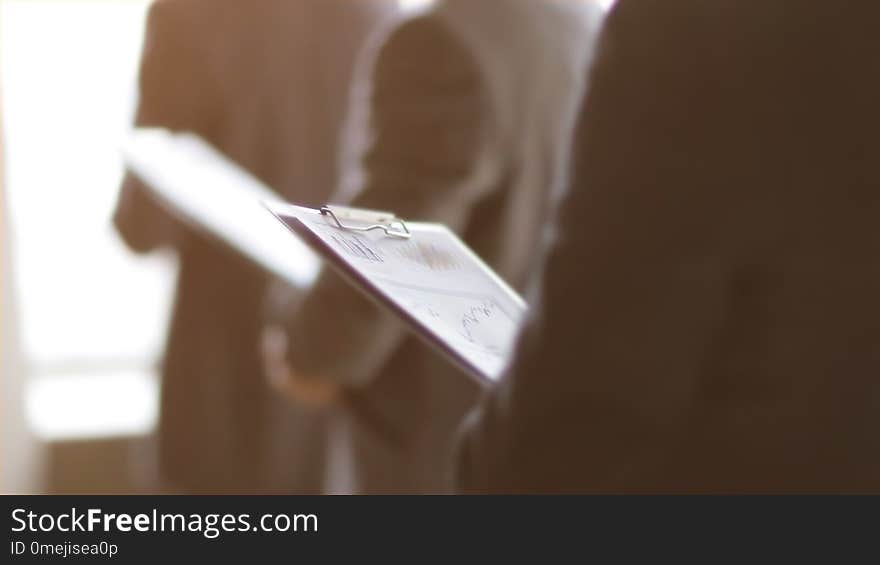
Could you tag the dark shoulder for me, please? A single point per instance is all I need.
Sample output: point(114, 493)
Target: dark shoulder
point(718, 31)
point(652, 29)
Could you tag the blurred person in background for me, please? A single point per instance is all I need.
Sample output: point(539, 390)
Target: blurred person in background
point(267, 83)
point(709, 314)
point(470, 111)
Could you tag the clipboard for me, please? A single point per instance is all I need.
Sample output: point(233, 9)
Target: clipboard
point(423, 273)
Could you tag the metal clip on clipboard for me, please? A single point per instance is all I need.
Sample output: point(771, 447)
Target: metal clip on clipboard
point(376, 220)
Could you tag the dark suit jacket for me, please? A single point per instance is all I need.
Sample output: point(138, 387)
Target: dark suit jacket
point(267, 83)
point(709, 314)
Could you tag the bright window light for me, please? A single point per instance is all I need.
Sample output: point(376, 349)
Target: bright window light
point(71, 406)
point(88, 307)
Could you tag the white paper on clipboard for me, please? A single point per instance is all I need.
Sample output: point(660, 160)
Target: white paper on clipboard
point(430, 279)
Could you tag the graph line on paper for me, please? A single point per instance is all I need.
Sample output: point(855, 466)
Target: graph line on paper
point(428, 255)
point(424, 255)
point(357, 246)
point(475, 316)
point(479, 322)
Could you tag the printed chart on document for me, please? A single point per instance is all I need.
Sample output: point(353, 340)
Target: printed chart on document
point(434, 278)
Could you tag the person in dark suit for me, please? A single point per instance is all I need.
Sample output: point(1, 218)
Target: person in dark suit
point(471, 108)
point(267, 83)
point(708, 320)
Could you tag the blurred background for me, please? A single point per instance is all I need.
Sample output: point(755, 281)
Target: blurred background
point(81, 331)
point(83, 319)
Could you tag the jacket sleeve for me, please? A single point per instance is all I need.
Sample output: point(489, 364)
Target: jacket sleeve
point(172, 96)
point(598, 394)
point(424, 116)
